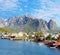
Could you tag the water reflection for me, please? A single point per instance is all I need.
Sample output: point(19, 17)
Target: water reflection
point(8, 47)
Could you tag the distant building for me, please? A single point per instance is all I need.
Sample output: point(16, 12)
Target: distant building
point(55, 35)
point(46, 34)
point(14, 34)
point(21, 33)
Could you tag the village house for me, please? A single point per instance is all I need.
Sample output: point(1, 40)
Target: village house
point(14, 34)
point(21, 33)
point(46, 34)
point(55, 35)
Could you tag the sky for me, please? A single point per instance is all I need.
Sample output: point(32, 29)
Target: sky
point(45, 9)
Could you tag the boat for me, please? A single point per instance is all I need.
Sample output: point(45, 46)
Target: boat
point(53, 44)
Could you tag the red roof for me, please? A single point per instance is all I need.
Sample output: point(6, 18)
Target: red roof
point(56, 43)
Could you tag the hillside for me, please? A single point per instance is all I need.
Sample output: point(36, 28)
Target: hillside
point(28, 23)
point(5, 30)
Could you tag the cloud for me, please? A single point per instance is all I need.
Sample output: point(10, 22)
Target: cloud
point(20, 9)
point(26, 6)
point(56, 18)
point(6, 5)
point(45, 9)
point(49, 10)
point(42, 13)
point(24, 0)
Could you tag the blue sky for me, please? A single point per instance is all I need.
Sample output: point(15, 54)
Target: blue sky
point(45, 9)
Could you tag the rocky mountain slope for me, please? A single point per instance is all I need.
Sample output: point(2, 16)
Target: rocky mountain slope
point(28, 23)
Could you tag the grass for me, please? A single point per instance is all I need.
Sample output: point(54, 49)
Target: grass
point(21, 37)
point(5, 30)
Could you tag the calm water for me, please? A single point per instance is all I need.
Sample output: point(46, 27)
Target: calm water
point(8, 47)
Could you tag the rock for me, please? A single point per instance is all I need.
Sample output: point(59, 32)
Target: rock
point(28, 23)
point(52, 25)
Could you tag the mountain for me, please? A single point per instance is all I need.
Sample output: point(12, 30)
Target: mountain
point(43, 25)
point(28, 23)
point(52, 25)
point(2, 22)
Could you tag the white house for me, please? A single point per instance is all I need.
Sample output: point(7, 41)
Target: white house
point(21, 33)
point(55, 35)
point(46, 34)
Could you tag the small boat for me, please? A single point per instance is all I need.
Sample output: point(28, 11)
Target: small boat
point(50, 44)
point(53, 45)
point(57, 44)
